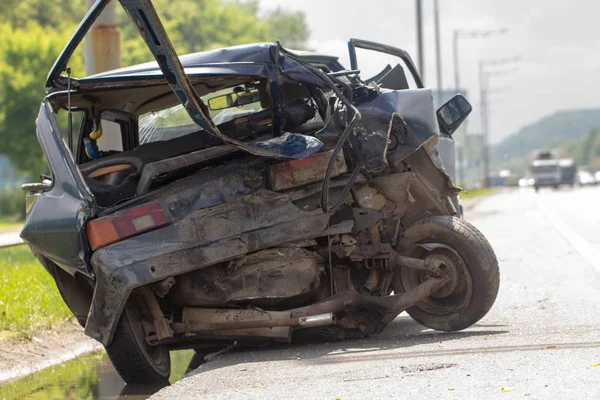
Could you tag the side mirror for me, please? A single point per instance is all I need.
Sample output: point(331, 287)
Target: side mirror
point(453, 113)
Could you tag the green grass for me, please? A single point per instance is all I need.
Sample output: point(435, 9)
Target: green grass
point(10, 222)
point(469, 194)
point(75, 379)
point(29, 299)
point(81, 378)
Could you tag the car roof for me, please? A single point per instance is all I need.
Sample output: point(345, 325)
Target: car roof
point(263, 53)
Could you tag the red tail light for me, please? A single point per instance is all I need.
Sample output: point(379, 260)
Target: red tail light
point(126, 223)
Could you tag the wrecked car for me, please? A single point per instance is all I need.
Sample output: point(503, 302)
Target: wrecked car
point(249, 193)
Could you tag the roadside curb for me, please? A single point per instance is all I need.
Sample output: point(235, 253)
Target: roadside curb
point(470, 204)
point(10, 237)
point(21, 360)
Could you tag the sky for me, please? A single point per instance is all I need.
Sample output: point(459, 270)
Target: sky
point(557, 43)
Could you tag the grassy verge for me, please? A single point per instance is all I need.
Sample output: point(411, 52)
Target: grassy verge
point(75, 379)
point(10, 222)
point(29, 299)
point(469, 194)
point(87, 377)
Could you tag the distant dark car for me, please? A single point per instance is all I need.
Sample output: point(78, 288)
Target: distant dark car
point(245, 193)
point(568, 172)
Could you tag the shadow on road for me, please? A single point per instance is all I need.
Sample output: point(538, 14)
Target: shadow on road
point(138, 392)
point(401, 333)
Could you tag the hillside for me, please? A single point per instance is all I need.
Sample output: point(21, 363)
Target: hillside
point(560, 127)
point(585, 152)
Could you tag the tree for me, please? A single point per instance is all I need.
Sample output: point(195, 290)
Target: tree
point(34, 32)
point(594, 156)
point(26, 55)
point(192, 25)
point(197, 25)
point(48, 14)
point(582, 149)
point(289, 28)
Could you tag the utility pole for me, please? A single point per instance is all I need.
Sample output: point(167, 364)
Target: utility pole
point(466, 34)
point(420, 39)
point(438, 56)
point(455, 57)
point(102, 44)
point(484, 124)
point(484, 104)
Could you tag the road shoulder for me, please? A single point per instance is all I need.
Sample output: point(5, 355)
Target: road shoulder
point(19, 359)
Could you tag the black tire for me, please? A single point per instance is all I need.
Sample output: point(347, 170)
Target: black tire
point(76, 291)
point(137, 362)
point(482, 275)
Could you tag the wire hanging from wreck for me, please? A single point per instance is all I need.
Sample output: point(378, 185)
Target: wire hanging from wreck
point(343, 137)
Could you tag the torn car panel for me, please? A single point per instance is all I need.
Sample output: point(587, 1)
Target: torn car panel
point(289, 145)
point(60, 234)
point(394, 125)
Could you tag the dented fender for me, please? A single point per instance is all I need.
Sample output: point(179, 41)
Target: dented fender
point(201, 239)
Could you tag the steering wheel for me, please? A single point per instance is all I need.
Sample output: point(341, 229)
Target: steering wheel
point(108, 170)
point(104, 166)
point(108, 194)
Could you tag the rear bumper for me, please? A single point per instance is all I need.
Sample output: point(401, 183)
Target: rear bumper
point(203, 238)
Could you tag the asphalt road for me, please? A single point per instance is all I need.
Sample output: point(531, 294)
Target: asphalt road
point(540, 340)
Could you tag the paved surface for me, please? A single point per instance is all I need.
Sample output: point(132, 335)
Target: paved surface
point(10, 238)
point(549, 296)
point(46, 349)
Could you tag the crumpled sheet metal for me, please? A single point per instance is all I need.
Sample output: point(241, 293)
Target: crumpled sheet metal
point(401, 113)
point(294, 173)
point(267, 276)
point(290, 145)
point(206, 237)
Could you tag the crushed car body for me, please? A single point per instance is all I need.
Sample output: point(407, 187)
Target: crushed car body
point(246, 193)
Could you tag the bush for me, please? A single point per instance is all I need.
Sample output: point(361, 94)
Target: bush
point(29, 299)
point(12, 202)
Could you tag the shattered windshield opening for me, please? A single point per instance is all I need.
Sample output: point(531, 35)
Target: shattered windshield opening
point(225, 105)
point(285, 144)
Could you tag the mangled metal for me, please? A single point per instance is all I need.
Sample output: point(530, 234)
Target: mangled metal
point(288, 210)
point(264, 278)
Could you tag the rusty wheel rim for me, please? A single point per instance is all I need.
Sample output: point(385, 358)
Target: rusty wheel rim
point(454, 296)
point(157, 356)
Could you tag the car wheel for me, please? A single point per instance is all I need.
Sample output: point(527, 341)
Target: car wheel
point(135, 360)
point(469, 261)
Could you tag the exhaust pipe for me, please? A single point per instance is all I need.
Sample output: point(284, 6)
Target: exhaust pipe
point(258, 324)
point(246, 323)
point(315, 321)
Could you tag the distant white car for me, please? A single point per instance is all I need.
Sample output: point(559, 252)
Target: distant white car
point(524, 182)
point(586, 178)
point(597, 176)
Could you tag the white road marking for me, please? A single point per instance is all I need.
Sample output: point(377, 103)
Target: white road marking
point(587, 250)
